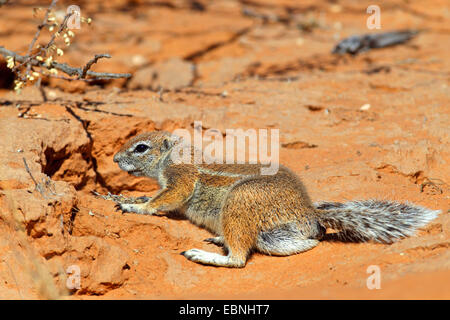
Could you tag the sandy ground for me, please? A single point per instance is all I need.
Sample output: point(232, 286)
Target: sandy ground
point(229, 64)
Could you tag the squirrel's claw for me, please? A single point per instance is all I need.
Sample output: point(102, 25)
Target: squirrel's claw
point(118, 207)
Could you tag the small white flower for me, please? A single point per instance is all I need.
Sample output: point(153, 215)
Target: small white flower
point(10, 62)
point(48, 61)
point(365, 107)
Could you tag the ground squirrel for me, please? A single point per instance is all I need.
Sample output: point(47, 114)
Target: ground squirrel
point(247, 211)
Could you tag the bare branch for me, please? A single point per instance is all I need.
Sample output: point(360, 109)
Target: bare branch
point(47, 184)
point(29, 172)
point(45, 48)
point(71, 71)
point(39, 58)
point(38, 32)
point(37, 186)
point(91, 62)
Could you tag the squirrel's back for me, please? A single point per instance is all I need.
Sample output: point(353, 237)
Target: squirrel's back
point(268, 200)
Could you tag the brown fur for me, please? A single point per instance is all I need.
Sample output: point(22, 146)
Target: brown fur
point(249, 211)
point(232, 201)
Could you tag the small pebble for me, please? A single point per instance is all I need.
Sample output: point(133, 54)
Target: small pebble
point(51, 94)
point(365, 107)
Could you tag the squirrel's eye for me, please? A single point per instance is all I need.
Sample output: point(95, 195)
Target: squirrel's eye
point(140, 148)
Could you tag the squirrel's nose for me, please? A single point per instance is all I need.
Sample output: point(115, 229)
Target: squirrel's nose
point(116, 157)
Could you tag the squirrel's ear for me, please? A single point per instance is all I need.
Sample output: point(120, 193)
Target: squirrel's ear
point(166, 145)
point(169, 142)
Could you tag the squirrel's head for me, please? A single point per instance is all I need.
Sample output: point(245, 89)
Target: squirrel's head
point(142, 155)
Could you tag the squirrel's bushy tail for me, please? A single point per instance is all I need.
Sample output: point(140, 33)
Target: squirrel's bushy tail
point(379, 221)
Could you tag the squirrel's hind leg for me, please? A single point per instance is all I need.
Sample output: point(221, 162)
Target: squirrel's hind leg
point(214, 259)
point(287, 239)
point(239, 236)
point(238, 245)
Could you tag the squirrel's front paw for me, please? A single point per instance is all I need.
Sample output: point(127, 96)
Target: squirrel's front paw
point(140, 208)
